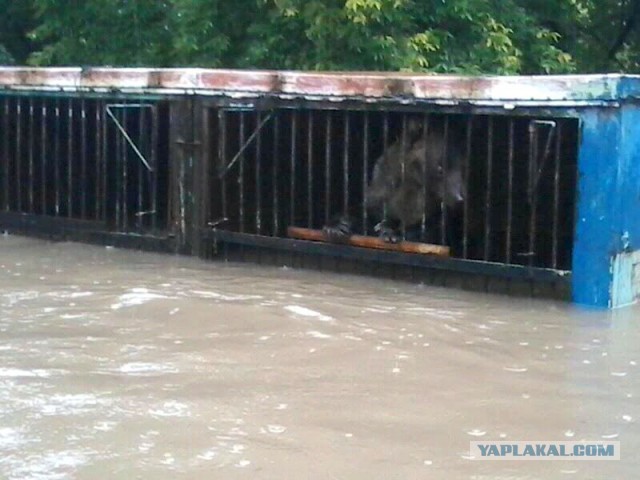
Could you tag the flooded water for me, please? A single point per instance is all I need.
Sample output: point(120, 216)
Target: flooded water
point(119, 364)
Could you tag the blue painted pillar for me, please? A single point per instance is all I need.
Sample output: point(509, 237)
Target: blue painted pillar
point(606, 257)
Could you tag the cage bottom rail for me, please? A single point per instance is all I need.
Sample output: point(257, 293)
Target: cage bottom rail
point(542, 275)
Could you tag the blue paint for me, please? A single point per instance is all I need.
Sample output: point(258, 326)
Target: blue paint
point(627, 87)
point(597, 208)
point(608, 209)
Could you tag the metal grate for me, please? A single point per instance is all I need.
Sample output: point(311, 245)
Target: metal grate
point(516, 176)
point(85, 158)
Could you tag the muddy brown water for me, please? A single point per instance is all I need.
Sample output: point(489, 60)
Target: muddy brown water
point(120, 364)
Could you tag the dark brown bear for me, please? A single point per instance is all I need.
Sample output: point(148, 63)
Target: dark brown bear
point(404, 188)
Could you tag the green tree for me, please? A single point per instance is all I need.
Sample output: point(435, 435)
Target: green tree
point(5, 56)
point(102, 32)
point(16, 21)
point(452, 36)
point(212, 33)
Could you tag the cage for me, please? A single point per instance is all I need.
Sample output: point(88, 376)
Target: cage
point(517, 184)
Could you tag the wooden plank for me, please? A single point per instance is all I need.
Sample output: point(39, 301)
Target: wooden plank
point(372, 242)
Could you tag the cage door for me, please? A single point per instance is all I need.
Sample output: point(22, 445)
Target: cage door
point(130, 139)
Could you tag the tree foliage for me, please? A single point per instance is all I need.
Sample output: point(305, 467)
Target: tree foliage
point(16, 22)
point(447, 36)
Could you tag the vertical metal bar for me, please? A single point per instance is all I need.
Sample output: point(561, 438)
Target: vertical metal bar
point(294, 153)
point(556, 196)
point(345, 164)
point(5, 142)
point(241, 171)
point(426, 180)
point(365, 171)
point(43, 156)
point(533, 191)
point(403, 166)
point(31, 140)
point(385, 152)
point(489, 186)
point(56, 165)
point(508, 253)
point(97, 161)
point(467, 177)
point(141, 171)
point(105, 166)
point(18, 157)
point(258, 176)
point(327, 169)
point(83, 158)
point(310, 170)
point(70, 158)
point(205, 171)
point(125, 176)
point(153, 175)
point(222, 157)
point(445, 166)
point(117, 157)
point(275, 172)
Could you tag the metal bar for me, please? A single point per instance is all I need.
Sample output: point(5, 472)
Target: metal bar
point(70, 158)
point(445, 161)
point(365, 171)
point(150, 166)
point(125, 176)
point(241, 173)
point(83, 160)
point(385, 152)
point(275, 172)
point(140, 210)
point(244, 146)
point(222, 158)
point(533, 191)
point(508, 253)
point(129, 105)
point(117, 159)
point(105, 145)
point(86, 231)
point(18, 153)
point(385, 256)
point(345, 164)
point(124, 133)
point(30, 142)
point(258, 178)
point(205, 173)
point(467, 177)
point(556, 197)
point(43, 156)
point(57, 159)
point(45, 224)
point(403, 167)
point(541, 162)
point(97, 160)
point(153, 175)
point(310, 170)
point(423, 221)
point(294, 152)
point(327, 171)
point(489, 186)
point(5, 142)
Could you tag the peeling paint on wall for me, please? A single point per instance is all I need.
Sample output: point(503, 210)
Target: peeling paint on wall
point(626, 279)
